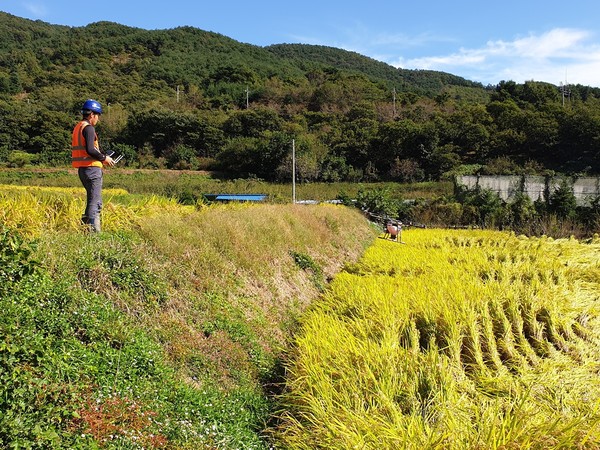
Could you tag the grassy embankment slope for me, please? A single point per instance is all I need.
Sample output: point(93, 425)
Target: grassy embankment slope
point(164, 330)
point(457, 340)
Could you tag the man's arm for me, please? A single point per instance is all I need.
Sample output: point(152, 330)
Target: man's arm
point(89, 133)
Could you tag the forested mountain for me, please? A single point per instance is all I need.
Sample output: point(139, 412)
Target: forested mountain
point(426, 82)
point(187, 98)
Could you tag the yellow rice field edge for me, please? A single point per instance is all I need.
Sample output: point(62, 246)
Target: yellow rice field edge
point(34, 210)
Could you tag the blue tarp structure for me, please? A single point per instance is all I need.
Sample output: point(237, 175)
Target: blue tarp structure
point(235, 197)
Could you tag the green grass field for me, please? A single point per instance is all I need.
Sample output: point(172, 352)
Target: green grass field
point(189, 186)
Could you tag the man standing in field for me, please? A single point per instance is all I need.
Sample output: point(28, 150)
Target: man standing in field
point(89, 160)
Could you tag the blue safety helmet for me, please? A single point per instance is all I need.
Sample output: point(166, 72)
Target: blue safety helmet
point(91, 105)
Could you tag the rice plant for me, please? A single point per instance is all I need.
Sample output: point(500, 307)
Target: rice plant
point(33, 210)
point(458, 339)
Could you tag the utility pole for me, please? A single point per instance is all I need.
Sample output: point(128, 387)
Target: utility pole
point(394, 97)
point(564, 89)
point(293, 171)
point(177, 93)
point(247, 97)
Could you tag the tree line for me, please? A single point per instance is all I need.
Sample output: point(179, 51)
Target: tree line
point(190, 99)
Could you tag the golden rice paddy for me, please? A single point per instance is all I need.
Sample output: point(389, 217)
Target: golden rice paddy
point(454, 340)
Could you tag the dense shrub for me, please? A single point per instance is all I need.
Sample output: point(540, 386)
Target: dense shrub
point(562, 201)
point(378, 202)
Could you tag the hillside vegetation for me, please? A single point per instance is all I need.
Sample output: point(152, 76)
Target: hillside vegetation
point(164, 331)
point(185, 98)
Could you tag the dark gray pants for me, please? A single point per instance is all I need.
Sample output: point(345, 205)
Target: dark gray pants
point(91, 178)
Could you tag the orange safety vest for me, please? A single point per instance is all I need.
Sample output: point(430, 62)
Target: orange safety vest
point(79, 155)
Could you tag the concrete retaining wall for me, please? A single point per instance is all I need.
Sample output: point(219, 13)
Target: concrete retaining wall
point(585, 189)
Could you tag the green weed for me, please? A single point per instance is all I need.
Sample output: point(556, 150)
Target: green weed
point(77, 373)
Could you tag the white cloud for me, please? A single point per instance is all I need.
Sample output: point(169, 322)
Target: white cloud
point(400, 39)
point(36, 9)
point(544, 57)
point(356, 37)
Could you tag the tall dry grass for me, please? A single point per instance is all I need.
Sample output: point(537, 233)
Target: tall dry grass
point(236, 262)
point(458, 339)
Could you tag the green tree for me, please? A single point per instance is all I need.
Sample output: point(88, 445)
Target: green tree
point(164, 129)
point(379, 202)
point(355, 141)
point(578, 138)
point(485, 204)
point(468, 128)
point(252, 122)
point(562, 201)
point(334, 169)
point(237, 156)
point(522, 209)
point(256, 157)
point(538, 93)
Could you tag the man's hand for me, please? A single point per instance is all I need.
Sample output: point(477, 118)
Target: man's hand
point(109, 161)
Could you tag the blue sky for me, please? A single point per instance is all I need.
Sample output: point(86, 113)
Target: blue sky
point(541, 40)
